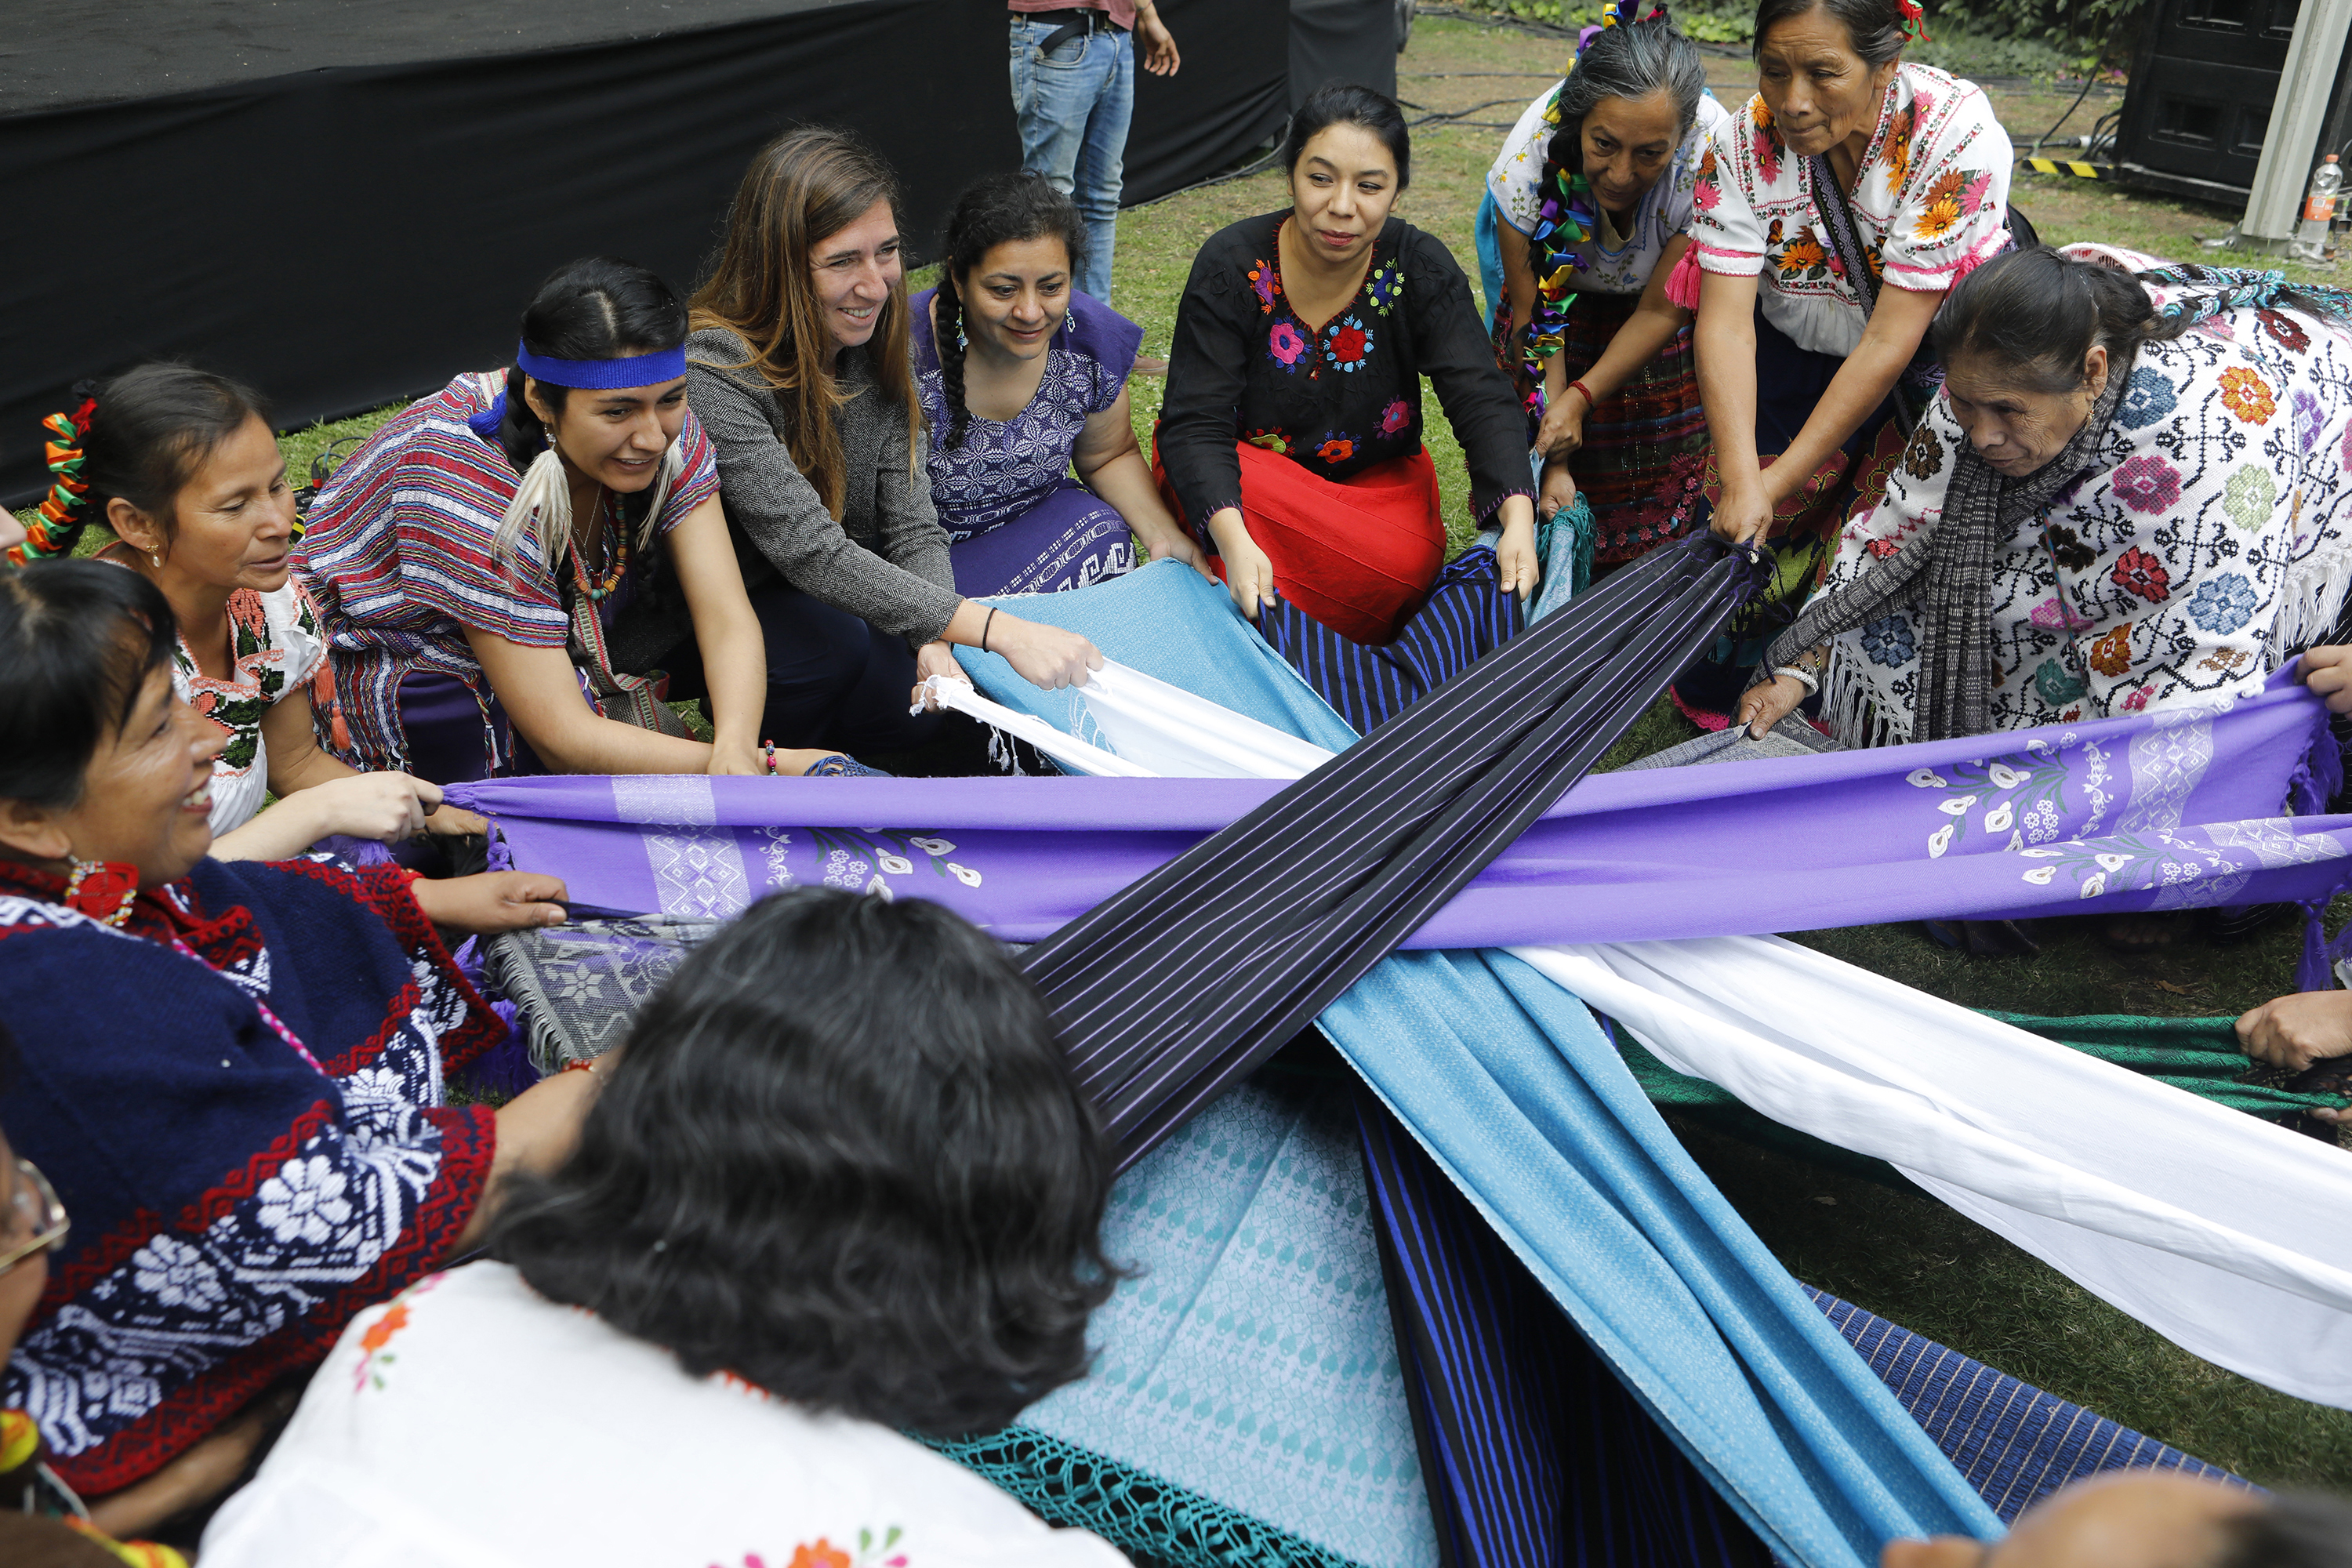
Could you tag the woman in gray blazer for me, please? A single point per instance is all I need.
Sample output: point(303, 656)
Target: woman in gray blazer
point(798, 368)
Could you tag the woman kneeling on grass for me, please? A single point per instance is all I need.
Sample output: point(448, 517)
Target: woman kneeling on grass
point(232, 1073)
point(840, 1185)
point(505, 567)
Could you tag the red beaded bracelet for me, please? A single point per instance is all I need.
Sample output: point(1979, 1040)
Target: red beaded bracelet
point(1590, 401)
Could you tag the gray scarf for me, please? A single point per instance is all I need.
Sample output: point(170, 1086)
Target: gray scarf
point(1951, 564)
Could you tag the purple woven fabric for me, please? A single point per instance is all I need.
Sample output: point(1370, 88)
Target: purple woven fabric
point(2139, 813)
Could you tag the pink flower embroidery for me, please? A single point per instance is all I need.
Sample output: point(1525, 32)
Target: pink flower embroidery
point(1395, 417)
point(2051, 616)
point(2137, 699)
point(1286, 343)
point(2146, 483)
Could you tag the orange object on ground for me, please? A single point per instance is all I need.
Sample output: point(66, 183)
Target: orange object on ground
point(1357, 555)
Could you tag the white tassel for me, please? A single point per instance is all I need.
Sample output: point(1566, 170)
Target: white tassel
point(545, 494)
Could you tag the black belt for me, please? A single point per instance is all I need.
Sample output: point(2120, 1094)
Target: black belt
point(1076, 20)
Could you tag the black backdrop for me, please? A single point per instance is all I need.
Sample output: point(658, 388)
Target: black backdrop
point(345, 236)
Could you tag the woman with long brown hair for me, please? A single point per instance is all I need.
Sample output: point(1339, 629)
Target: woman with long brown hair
point(798, 367)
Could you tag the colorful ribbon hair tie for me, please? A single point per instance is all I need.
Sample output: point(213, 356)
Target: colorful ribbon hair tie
point(59, 522)
point(1915, 20)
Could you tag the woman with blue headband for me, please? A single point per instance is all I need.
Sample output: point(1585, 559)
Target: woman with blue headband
point(506, 569)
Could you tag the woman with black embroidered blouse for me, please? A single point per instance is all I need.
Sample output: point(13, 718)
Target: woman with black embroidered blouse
point(1290, 438)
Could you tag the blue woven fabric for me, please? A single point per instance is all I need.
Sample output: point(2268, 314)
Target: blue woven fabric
point(1250, 1359)
point(1513, 1088)
point(2014, 1443)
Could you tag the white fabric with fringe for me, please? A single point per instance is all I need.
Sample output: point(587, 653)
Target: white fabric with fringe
point(2215, 543)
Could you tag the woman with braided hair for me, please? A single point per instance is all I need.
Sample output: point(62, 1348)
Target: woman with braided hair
point(1023, 377)
point(1592, 200)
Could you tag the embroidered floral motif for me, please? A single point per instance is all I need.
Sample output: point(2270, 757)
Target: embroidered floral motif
point(1261, 282)
point(2137, 699)
point(2054, 615)
point(1385, 285)
point(1924, 456)
point(1337, 450)
point(1888, 641)
point(1272, 440)
point(2285, 328)
point(2222, 603)
point(1803, 257)
point(1954, 196)
point(1395, 417)
point(2056, 683)
point(2247, 395)
point(1763, 139)
point(2137, 572)
point(373, 1355)
point(2146, 483)
point(822, 1553)
point(2066, 547)
point(2310, 418)
point(2147, 397)
point(1896, 153)
point(2111, 655)
point(2248, 497)
point(305, 1201)
point(1350, 344)
point(1286, 343)
point(1709, 191)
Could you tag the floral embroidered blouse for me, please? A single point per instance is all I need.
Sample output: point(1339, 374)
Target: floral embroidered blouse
point(409, 1436)
point(1931, 204)
point(276, 647)
point(1243, 367)
point(2214, 542)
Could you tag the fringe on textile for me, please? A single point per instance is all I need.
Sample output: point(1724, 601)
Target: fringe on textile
point(2311, 601)
point(1851, 710)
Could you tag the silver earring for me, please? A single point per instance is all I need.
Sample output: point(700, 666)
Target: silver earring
point(1070, 320)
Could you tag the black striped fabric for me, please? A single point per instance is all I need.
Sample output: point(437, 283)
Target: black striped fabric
point(1466, 616)
point(1188, 978)
point(1534, 1454)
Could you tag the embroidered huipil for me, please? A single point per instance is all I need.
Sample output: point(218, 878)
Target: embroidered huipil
point(2213, 542)
point(1931, 204)
point(239, 1099)
point(397, 553)
point(1243, 367)
point(410, 1432)
point(276, 649)
point(1616, 262)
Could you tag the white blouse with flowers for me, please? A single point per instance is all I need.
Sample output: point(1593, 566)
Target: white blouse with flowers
point(471, 1422)
point(1930, 207)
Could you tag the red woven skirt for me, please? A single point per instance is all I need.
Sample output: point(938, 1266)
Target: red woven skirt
point(1359, 555)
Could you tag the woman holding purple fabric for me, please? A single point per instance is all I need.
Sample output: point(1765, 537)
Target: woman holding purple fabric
point(1022, 378)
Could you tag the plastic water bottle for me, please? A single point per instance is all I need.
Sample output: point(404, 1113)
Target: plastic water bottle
point(2318, 208)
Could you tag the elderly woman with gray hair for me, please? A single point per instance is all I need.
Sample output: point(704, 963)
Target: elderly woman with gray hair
point(1591, 198)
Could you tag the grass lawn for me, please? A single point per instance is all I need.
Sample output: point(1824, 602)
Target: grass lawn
point(1898, 1253)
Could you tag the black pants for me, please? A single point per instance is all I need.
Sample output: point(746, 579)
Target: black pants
point(833, 680)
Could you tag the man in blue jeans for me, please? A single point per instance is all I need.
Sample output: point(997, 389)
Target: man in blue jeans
point(1074, 94)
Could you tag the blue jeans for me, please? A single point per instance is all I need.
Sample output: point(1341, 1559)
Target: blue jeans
point(1072, 106)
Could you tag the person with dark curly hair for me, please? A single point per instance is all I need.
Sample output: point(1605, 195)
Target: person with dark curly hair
point(1023, 378)
point(840, 1184)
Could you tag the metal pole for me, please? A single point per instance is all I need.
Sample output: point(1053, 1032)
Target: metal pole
point(2296, 114)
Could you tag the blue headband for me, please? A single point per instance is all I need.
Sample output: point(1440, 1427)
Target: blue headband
point(602, 375)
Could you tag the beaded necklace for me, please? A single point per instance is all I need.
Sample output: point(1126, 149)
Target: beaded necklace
point(616, 540)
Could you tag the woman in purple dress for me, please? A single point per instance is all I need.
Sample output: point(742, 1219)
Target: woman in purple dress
point(1023, 377)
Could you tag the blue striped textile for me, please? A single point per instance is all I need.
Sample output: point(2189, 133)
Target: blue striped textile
point(1525, 1105)
point(1537, 1454)
point(1466, 616)
point(2014, 1443)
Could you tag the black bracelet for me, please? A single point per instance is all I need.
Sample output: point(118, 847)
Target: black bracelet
point(984, 625)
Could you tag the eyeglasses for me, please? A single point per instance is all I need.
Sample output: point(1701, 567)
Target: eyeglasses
point(32, 1210)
